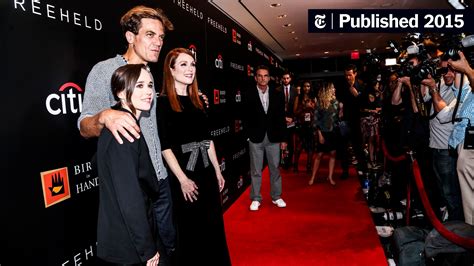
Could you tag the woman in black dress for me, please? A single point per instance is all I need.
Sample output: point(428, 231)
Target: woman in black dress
point(303, 109)
point(188, 150)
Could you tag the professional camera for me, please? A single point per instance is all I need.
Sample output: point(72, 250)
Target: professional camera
point(452, 44)
point(423, 70)
point(371, 66)
point(372, 59)
point(405, 69)
point(425, 50)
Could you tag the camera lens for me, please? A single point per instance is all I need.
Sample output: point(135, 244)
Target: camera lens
point(453, 54)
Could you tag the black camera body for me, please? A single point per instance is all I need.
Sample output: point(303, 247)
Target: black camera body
point(450, 45)
point(426, 68)
point(405, 69)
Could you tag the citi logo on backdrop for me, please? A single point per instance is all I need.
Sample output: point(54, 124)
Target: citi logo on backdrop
point(219, 62)
point(192, 48)
point(238, 97)
point(55, 185)
point(68, 100)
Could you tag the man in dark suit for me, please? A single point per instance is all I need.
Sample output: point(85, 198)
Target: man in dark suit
point(351, 94)
point(264, 123)
point(290, 93)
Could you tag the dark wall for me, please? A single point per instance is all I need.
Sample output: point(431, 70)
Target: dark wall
point(50, 47)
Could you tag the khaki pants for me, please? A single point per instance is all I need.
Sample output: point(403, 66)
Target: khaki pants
point(465, 169)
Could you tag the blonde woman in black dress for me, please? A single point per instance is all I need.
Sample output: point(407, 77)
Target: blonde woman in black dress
point(326, 120)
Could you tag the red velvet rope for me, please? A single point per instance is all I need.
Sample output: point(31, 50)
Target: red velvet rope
point(467, 243)
point(390, 157)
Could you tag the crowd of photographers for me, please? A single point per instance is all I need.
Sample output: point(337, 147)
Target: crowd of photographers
point(428, 108)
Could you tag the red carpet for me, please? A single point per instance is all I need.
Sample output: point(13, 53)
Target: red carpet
point(322, 225)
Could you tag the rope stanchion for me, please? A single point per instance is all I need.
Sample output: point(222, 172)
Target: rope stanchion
point(389, 156)
point(467, 243)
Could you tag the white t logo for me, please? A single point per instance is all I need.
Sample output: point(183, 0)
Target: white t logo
point(319, 21)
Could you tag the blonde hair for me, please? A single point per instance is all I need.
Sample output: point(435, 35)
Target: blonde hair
point(325, 95)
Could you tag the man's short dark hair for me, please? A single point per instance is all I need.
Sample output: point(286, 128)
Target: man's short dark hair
point(131, 21)
point(351, 67)
point(262, 67)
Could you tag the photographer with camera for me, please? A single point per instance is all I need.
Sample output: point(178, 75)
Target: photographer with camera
point(461, 135)
point(463, 66)
point(443, 93)
point(415, 126)
point(404, 88)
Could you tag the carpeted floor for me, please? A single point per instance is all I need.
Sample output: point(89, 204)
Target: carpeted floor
point(322, 225)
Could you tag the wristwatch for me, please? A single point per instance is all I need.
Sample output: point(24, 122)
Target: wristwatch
point(433, 90)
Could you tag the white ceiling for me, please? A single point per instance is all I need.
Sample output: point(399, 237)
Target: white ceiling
point(260, 19)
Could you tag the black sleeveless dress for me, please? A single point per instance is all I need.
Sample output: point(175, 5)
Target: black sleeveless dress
point(200, 226)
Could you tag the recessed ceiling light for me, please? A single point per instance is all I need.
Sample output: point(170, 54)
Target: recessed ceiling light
point(287, 25)
point(292, 32)
point(326, 52)
point(281, 16)
point(356, 50)
point(362, 41)
point(275, 5)
point(388, 47)
point(295, 38)
point(298, 54)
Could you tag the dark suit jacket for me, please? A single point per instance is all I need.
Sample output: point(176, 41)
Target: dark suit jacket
point(351, 104)
point(126, 227)
point(291, 102)
point(257, 123)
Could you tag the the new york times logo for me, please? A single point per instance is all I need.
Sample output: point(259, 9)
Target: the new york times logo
point(55, 185)
point(385, 21)
point(320, 21)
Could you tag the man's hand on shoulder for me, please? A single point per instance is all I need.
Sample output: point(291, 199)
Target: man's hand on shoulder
point(120, 124)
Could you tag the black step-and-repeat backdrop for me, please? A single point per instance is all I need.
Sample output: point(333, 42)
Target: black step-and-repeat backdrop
point(49, 188)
